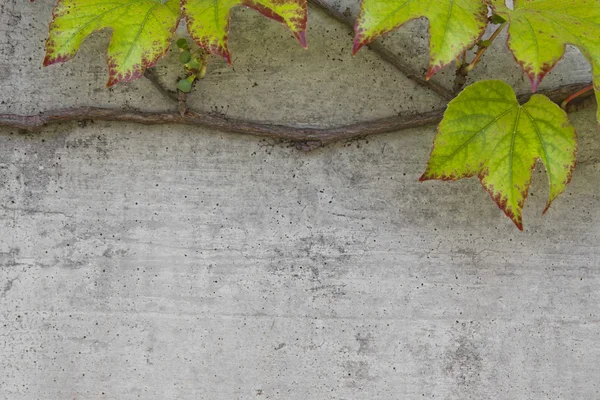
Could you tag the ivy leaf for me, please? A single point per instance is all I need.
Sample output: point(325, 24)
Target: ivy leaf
point(208, 20)
point(486, 132)
point(142, 32)
point(540, 29)
point(454, 25)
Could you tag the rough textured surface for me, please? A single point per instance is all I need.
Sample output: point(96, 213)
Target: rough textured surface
point(164, 263)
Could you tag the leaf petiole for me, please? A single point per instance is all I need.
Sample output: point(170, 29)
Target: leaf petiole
point(484, 46)
point(575, 95)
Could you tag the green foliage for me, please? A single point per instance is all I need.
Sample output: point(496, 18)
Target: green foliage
point(185, 57)
point(182, 44)
point(143, 29)
point(540, 30)
point(208, 20)
point(185, 85)
point(194, 63)
point(142, 32)
point(455, 25)
point(486, 132)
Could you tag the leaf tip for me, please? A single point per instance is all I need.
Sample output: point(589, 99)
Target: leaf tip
point(547, 207)
point(537, 78)
point(111, 81)
point(519, 225)
point(222, 52)
point(430, 72)
point(358, 44)
point(301, 36)
point(515, 216)
point(218, 50)
point(535, 82)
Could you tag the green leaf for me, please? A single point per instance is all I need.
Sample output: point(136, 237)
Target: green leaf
point(540, 29)
point(208, 20)
point(597, 88)
point(142, 31)
point(486, 132)
point(455, 25)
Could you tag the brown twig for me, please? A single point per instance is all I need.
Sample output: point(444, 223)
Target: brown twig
point(178, 97)
point(150, 74)
point(182, 103)
point(218, 122)
point(460, 79)
point(482, 49)
point(462, 71)
point(385, 54)
point(305, 138)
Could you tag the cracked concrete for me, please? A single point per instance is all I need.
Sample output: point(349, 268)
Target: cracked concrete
point(175, 263)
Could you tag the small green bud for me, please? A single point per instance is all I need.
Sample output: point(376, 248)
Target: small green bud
point(185, 85)
point(194, 63)
point(185, 57)
point(182, 44)
point(202, 72)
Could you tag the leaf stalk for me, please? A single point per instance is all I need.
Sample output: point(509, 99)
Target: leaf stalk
point(575, 95)
point(482, 49)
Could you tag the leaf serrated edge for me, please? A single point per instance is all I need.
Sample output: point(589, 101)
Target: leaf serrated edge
point(59, 59)
point(572, 166)
point(299, 34)
point(218, 50)
point(223, 51)
point(432, 69)
point(113, 78)
point(534, 77)
point(496, 196)
point(501, 201)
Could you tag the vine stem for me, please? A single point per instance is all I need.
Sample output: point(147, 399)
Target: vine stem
point(463, 68)
point(222, 123)
point(481, 51)
point(385, 54)
point(150, 74)
point(305, 138)
point(575, 95)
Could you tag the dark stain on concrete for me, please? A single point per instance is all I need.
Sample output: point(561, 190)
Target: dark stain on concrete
point(464, 361)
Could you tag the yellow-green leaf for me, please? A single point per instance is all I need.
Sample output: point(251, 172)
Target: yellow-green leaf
point(208, 20)
point(142, 31)
point(486, 132)
point(540, 29)
point(454, 25)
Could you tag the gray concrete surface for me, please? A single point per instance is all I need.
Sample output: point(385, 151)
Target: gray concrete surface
point(169, 263)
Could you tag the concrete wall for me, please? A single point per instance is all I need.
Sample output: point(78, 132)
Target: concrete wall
point(177, 263)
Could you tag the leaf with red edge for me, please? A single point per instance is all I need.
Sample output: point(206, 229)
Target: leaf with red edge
point(208, 20)
point(454, 25)
point(540, 30)
point(142, 32)
point(486, 132)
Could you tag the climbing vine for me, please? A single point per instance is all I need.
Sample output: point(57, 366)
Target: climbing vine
point(486, 130)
